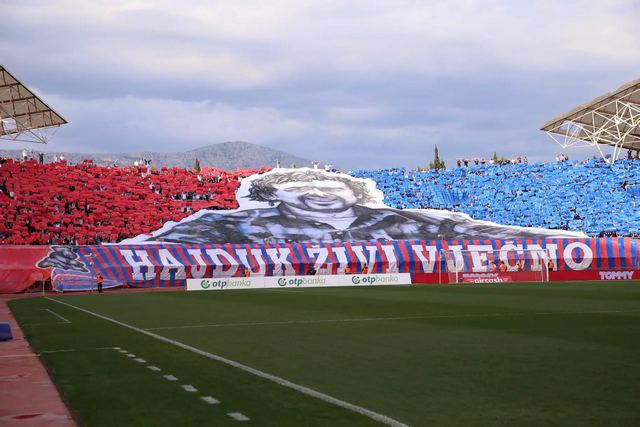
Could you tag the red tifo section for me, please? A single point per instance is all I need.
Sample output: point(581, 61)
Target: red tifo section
point(55, 203)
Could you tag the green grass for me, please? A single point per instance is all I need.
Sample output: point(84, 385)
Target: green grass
point(474, 355)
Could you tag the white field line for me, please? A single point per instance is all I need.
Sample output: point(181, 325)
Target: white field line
point(170, 377)
point(281, 381)
point(154, 368)
point(238, 416)
point(64, 320)
point(380, 319)
point(189, 388)
point(58, 351)
point(19, 355)
point(210, 400)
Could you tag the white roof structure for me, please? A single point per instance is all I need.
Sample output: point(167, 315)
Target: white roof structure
point(612, 119)
point(23, 115)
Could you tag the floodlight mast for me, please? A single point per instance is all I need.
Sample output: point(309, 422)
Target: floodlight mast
point(24, 116)
point(610, 120)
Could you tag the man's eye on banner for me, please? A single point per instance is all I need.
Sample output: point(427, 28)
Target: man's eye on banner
point(64, 258)
point(311, 205)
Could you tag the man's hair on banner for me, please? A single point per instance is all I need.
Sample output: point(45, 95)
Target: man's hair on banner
point(262, 190)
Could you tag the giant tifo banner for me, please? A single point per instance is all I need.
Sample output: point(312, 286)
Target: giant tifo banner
point(292, 219)
point(311, 205)
point(170, 265)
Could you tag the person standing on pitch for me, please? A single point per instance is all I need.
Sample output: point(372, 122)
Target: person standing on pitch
point(99, 280)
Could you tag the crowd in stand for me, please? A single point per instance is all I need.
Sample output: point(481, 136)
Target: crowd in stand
point(593, 196)
point(460, 162)
point(56, 203)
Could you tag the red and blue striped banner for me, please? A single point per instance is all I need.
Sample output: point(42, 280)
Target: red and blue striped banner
point(169, 265)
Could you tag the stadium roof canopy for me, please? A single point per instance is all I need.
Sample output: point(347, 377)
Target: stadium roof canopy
point(612, 119)
point(22, 114)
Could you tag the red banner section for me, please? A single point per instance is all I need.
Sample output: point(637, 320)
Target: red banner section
point(554, 276)
point(18, 270)
point(170, 265)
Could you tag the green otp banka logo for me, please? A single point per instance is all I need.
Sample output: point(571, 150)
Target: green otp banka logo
point(225, 283)
point(302, 281)
point(372, 280)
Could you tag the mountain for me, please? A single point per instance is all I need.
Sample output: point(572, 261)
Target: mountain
point(225, 155)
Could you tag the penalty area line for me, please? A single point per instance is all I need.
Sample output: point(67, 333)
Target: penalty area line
point(382, 319)
point(64, 320)
point(273, 378)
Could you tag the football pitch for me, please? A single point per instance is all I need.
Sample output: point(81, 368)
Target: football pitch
point(471, 355)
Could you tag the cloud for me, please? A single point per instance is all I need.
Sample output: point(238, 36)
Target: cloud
point(356, 83)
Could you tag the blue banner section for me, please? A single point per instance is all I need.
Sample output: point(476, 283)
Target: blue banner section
point(169, 265)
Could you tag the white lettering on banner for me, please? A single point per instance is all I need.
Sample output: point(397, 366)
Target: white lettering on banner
point(479, 259)
point(170, 266)
point(359, 251)
point(504, 254)
point(428, 260)
point(280, 258)
point(197, 271)
point(552, 252)
point(373, 253)
point(216, 254)
point(538, 256)
point(616, 275)
point(336, 280)
point(587, 256)
point(457, 263)
point(136, 265)
point(318, 257)
point(362, 258)
point(392, 261)
point(243, 255)
point(577, 256)
point(262, 264)
point(341, 256)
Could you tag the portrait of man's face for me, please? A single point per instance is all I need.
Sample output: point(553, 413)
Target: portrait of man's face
point(300, 205)
point(322, 196)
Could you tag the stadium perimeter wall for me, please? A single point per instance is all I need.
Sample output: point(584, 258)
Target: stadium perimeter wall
point(72, 268)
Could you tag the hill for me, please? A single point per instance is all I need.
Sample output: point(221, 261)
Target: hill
point(226, 155)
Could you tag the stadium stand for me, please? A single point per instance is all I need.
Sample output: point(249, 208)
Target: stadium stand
point(56, 203)
point(598, 198)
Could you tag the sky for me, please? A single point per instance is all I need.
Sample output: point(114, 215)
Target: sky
point(361, 84)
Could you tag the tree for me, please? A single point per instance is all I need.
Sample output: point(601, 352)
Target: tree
point(436, 164)
point(498, 160)
point(196, 167)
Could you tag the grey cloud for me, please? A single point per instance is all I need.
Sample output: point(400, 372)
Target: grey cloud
point(359, 84)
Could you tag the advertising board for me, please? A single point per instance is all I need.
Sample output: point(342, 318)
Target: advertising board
point(272, 282)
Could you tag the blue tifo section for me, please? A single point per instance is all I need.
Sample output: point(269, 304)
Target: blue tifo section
point(593, 196)
point(5, 332)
